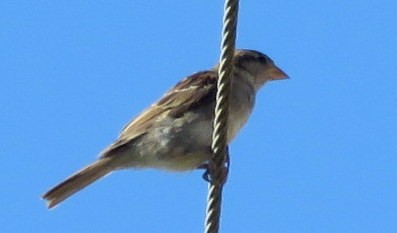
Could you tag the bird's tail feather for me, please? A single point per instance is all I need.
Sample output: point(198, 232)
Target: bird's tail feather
point(78, 181)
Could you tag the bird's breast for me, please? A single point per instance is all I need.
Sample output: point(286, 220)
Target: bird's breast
point(241, 104)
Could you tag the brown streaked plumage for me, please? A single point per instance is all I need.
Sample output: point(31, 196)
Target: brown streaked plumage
point(175, 132)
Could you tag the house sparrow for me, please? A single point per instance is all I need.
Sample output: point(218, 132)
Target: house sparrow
point(175, 133)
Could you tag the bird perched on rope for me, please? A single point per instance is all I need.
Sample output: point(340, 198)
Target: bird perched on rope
point(175, 133)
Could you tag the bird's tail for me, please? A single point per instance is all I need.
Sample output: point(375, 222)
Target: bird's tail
point(78, 181)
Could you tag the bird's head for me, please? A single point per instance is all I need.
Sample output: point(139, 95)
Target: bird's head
point(259, 66)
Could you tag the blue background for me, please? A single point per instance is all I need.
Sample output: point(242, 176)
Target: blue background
point(318, 154)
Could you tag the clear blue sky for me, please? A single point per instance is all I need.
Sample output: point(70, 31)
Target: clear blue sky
point(319, 153)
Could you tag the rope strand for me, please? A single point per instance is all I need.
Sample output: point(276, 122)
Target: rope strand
point(218, 163)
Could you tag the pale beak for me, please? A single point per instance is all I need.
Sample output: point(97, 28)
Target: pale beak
point(275, 73)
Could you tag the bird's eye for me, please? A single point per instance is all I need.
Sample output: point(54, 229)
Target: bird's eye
point(263, 60)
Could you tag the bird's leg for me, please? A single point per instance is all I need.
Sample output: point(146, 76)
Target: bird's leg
point(209, 169)
point(206, 174)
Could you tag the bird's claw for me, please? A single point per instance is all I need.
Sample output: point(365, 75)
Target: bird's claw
point(209, 169)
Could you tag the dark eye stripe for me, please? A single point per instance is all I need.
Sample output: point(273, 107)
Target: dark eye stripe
point(263, 59)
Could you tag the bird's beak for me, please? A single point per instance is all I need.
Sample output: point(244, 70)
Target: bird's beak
point(276, 73)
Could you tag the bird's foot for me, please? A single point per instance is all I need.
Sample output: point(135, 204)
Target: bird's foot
point(210, 171)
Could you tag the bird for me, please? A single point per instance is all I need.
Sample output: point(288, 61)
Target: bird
point(175, 133)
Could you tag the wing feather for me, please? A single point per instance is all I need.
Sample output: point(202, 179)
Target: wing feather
point(193, 91)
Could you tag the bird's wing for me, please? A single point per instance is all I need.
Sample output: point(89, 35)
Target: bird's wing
point(196, 90)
